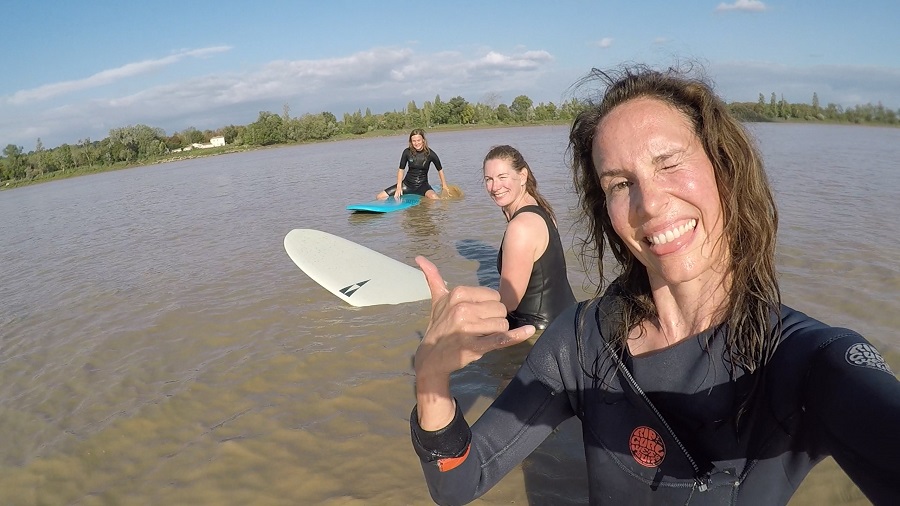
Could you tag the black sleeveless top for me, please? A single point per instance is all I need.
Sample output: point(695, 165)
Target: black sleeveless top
point(548, 292)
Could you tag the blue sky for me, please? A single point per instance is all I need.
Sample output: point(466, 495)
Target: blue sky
point(75, 70)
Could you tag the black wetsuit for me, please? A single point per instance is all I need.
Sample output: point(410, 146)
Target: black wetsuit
point(826, 391)
point(416, 179)
point(548, 293)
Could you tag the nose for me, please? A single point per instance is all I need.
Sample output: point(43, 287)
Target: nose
point(648, 198)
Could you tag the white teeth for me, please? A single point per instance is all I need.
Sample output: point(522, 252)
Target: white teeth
point(675, 233)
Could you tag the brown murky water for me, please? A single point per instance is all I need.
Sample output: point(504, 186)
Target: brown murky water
point(157, 346)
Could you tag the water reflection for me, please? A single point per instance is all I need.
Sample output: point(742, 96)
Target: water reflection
point(486, 256)
point(422, 221)
point(157, 341)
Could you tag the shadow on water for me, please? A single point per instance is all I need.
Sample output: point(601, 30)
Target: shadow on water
point(486, 256)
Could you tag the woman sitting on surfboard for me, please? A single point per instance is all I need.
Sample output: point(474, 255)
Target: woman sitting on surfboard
point(534, 285)
point(419, 158)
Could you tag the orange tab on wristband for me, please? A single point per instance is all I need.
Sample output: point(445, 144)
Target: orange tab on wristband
point(451, 463)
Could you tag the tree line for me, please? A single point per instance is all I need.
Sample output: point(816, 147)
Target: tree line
point(141, 144)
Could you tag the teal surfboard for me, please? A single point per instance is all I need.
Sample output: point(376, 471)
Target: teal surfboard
point(386, 206)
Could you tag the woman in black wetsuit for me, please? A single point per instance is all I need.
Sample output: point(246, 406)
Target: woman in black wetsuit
point(693, 383)
point(419, 157)
point(534, 285)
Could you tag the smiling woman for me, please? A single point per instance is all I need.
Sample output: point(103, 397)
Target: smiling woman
point(534, 286)
point(693, 383)
point(664, 207)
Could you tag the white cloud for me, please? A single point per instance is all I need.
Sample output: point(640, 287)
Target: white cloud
point(374, 78)
point(742, 5)
point(605, 42)
point(108, 76)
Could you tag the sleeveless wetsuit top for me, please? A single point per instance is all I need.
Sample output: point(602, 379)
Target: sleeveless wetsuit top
point(548, 292)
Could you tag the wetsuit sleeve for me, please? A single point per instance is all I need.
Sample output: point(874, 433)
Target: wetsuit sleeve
point(404, 158)
point(521, 417)
point(853, 399)
point(436, 161)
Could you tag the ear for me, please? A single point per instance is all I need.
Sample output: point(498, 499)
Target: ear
point(525, 176)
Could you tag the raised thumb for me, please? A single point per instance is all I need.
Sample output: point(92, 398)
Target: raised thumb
point(433, 277)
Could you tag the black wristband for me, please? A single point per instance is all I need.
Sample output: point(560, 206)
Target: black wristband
point(450, 442)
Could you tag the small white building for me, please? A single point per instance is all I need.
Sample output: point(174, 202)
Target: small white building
point(218, 141)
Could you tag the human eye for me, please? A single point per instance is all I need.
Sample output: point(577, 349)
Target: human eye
point(620, 185)
point(614, 184)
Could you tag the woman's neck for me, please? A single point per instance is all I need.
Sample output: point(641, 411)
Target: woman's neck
point(524, 200)
point(683, 310)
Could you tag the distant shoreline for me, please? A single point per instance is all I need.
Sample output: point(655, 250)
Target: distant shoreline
point(230, 149)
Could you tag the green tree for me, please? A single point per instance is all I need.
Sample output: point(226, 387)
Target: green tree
point(191, 135)
point(427, 109)
point(467, 116)
point(394, 120)
point(521, 108)
point(440, 112)
point(14, 162)
point(266, 130)
point(39, 157)
point(761, 105)
point(485, 114)
point(230, 133)
point(503, 113)
point(570, 109)
point(331, 124)
point(545, 112)
point(65, 159)
point(415, 117)
point(455, 108)
point(87, 154)
point(354, 124)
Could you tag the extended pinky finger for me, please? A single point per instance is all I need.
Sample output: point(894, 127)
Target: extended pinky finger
point(506, 338)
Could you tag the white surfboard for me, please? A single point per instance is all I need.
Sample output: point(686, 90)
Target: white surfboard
point(358, 275)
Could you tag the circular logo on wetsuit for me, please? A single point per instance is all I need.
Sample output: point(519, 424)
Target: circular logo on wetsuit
point(647, 447)
point(865, 355)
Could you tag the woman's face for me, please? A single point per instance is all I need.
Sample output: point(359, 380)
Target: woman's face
point(504, 184)
point(417, 141)
point(661, 192)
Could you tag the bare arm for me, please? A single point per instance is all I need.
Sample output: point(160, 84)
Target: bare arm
point(443, 181)
point(399, 192)
point(525, 241)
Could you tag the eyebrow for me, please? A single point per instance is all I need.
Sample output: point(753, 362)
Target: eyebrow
point(655, 160)
point(611, 173)
point(668, 154)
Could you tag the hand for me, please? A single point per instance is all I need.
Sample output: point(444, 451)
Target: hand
point(398, 194)
point(465, 323)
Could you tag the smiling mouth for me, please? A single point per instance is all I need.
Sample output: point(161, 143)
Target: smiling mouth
point(671, 235)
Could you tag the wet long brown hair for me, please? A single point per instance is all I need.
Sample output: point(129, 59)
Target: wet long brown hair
point(515, 158)
point(750, 217)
